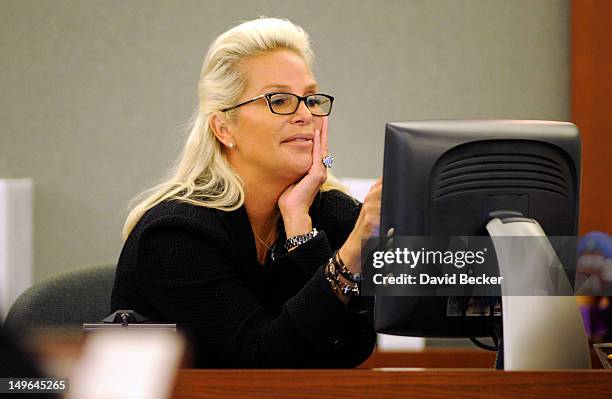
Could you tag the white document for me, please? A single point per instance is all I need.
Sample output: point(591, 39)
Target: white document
point(127, 365)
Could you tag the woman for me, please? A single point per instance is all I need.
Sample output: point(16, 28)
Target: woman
point(237, 246)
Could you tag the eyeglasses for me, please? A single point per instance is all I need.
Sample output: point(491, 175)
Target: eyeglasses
point(288, 103)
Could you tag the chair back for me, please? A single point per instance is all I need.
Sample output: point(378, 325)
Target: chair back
point(64, 301)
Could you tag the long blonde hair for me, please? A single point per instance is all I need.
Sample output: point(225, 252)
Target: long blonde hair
point(202, 175)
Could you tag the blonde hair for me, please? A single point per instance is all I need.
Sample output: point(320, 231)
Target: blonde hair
point(202, 175)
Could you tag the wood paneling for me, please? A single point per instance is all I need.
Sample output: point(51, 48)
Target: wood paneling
point(433, 358)
point(591, 108)
point(398, 383)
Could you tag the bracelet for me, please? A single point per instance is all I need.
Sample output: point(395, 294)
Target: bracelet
point(295, 241)
point(337, 285)
point(344, 271)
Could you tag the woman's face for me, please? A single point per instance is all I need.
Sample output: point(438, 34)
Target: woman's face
point(271, 144)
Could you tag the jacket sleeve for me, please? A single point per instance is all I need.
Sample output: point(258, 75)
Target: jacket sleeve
point(336, 214)
point(186, 274)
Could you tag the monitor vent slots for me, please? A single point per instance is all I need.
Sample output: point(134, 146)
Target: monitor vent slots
point(510, 171)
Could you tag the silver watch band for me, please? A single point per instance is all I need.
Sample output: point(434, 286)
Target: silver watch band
point(294, 241)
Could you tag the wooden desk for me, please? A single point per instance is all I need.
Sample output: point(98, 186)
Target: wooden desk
point(433, 358)
point(442, 373)
point(389, 383)
point(455, 373)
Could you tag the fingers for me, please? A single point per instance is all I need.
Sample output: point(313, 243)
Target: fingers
point(324, 143)
point(377, 186)
point(317, 169)
point(323, 151)
point(371, 209)
point(318, 160)
point(316, 147)
point(373, 197)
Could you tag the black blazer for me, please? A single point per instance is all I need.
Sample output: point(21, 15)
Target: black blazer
point(198, 267)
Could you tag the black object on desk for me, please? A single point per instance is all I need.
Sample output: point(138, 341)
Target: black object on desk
point(127, 318)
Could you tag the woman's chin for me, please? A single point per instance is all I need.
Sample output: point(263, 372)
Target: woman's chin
point(297, 168)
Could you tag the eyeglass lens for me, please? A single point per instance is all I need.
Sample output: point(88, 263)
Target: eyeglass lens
point(285, 103)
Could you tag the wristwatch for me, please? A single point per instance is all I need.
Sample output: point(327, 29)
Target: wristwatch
point(294, 241)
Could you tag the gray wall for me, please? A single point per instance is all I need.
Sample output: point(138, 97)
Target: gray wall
point(94, 95)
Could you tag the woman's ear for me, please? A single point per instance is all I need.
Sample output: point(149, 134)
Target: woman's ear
point(220, 127)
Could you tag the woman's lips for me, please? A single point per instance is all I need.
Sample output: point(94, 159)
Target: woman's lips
point(299, 140)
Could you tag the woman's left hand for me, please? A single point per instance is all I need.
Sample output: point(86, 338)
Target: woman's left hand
point(294, 203)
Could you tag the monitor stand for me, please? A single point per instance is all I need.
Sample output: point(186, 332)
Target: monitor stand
point(539, 332)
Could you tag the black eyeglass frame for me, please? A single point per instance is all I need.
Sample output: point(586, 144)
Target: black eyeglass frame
point(268, 97)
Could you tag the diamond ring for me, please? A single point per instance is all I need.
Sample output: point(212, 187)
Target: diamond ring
point(328, 161)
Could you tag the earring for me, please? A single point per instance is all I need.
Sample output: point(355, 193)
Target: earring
point(231, 144)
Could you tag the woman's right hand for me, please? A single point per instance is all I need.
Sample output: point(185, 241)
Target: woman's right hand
point(295, 202)
point(367, 225)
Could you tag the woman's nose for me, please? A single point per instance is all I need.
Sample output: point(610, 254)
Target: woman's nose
point(302, 113)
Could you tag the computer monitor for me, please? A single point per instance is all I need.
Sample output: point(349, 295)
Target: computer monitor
point(444, 178)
